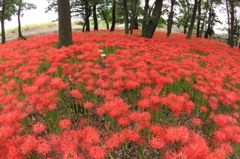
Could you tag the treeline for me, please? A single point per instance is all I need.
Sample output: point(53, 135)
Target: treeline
point(198, 16)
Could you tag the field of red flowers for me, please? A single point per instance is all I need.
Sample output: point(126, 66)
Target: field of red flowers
point(112, 95)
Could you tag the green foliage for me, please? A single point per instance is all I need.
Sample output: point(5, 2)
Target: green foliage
point(110, 50)
point(10, 9)
point(162, 23)
point(25, 6)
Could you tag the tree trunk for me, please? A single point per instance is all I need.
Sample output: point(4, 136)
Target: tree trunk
point(146, 15)
point(87, 15)
point(95, 16)
point(153, 21)
point(135, 25)
point(125, 14)
point(192, 20)
point(84, 26)
point(228, 20)
point(202, 28)
point(209, 21)
point(134, 10)
point(199, 19)
point(64, 23)
point(2, 21)
point(204, 21)
point(209, 25)
point(19, 22)
point(113, 16)
point(232, 24)
point(188, 18)
point(170, 19)
point(105, 19)
point(238, 33)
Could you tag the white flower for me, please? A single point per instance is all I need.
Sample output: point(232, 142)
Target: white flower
point(103, 55)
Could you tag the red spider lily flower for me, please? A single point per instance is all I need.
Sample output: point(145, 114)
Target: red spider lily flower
point(38, 128)
point(119, 85)
point(29, 144)
point(83, 121)
point(90, 135)
point(132, 135)
point(130, 84)
point(197, 121)
point(114, 108)
point(41, 80)
point(177, 134)
point(123, 121)
point(43, 147)
point(58, 83)
point(223, 120)
point(141, 119)
point(197, 145)
point(65, 124)
point(52, 70)
point(144, 103)
point(115, 141)
point(157, 143)
point(76, 94)
point(88, 105)
point(29, 89)
point(146, 92)
point(236, 115)
point(203, 109)
point(97, 152)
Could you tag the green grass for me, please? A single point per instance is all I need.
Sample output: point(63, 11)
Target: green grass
point(109, 50)
point(201, 53)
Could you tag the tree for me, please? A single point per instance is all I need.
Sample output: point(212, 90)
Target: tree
point(105, 19)
point(145, 15)
point(233, 27)
point(64, 23)
point(184, 15)
point(3, 5)
point(151, 18)
point(231, 41)
point(206, 8)
point(237, 32)
point(7, 10)
point(133, 8)
point(189, 35)
point(211, 16)
point(22, 6)
point(199, 18)
point(170, 18)
point(125, 14)
point(95, 15)
point(113, 15)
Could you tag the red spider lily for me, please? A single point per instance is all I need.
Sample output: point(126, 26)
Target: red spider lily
point(76, 94)
point(38, 128)
point(135, 96)
point(65, 124)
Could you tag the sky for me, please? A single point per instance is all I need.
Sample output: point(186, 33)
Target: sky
point(38, 15)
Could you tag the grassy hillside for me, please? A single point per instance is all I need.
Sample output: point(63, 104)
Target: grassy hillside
point(116, 96)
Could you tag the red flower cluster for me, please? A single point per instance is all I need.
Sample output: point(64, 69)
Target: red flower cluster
point(172, 94)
